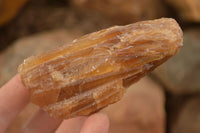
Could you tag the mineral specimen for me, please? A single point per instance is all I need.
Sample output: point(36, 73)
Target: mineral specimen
point(95, 70)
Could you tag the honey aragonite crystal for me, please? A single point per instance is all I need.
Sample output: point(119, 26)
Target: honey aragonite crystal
point(95, 70)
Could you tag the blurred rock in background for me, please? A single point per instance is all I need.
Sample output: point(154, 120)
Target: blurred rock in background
point(123, 11)
point(184, 115)
point(189, 10)
point(169, 104)
point(9, 9)
point(141, 110)
point(38, 16)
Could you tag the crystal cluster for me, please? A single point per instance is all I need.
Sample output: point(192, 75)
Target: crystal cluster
point(94, 71)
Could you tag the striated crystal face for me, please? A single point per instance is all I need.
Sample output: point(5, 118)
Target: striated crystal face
point(94, 70)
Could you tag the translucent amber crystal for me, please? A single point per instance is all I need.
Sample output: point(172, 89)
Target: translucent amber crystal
point(94, 70)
